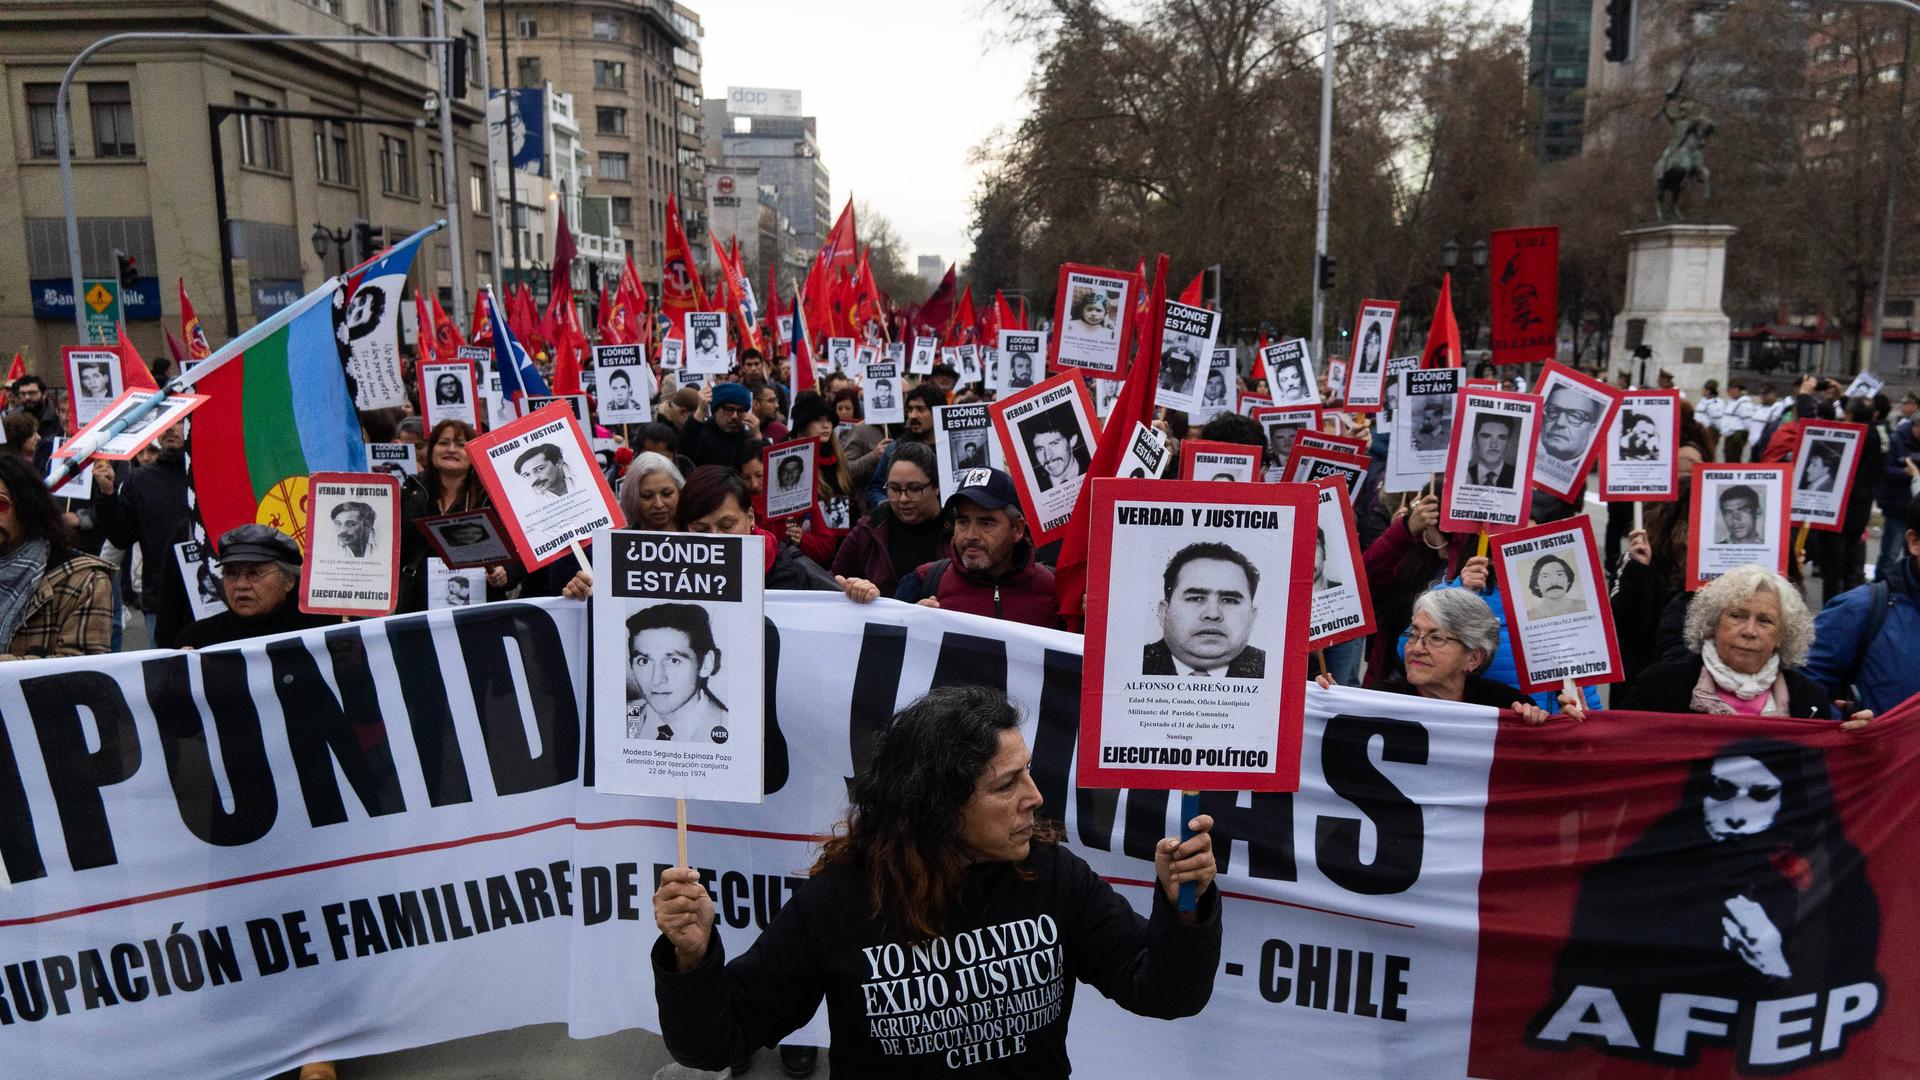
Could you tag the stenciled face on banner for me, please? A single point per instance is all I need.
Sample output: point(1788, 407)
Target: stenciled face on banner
point(1290, 373)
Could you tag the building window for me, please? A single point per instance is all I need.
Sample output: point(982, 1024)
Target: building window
point(426, 21)
point(688, 125)
point(477, 189)
point(621, 209)
point(612, 166)
point(436, 177)
point(609, 120)
point(483, 263)
point(609, 75)
point(385, 16)
point(40, 102)
point(526, 71)
point(527, 26)
point(112, 108)
point(259, 135)
point(606, 25)
point(331, 7)
point(332, 155)
point(396, 165)
point(474, 58)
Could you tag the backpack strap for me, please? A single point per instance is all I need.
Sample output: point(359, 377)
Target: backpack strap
point(930, 576)
point(1879, 601)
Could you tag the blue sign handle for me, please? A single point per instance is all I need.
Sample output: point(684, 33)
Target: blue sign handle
point(1189, 809)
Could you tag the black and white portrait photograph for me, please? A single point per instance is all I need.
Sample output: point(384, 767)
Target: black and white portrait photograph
point(1738, 516)
point(624, 384)
point(885, 391)
point(467, 538)
point(1022, 360)
point(1823, 468)
point(1637, 460)
point(962, 439)
point(448, 392)
point(1367, 367)
point(1219, 391)
point(1047, 434)
point(1186, 354)
point(920, 362)
point(864, 358)
point(1290, 373)
point(450, 588)
point(352, 563)
point(790, 483)
point(678, 658)
point(707, 342)
point(1280, 425)
point(1341, 606)
point(200, 573)
point(1489, 462)
point(971, 373)
point(1574, 411)
point(1090, 314)
point(93, 381)
point(545, 484)
point(840, 354)
point(1557, 609)
point(1422, 428)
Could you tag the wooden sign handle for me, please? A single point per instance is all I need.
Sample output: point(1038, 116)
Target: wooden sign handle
point(680, 829)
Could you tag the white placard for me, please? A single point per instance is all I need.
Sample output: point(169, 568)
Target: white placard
point(396, 459)
point(1422, 429)
point(1147, 451)
point(1290, 372)
point(1219, 392)
point(352, 564)
point(206, 594)
point(707, 343)
point(1186, 353)
point(450, 588)
point(625, 384)
point(963, 439)
point(1023, 360)
point(923, 354)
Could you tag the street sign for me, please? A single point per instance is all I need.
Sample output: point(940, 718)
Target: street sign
point(100, 299)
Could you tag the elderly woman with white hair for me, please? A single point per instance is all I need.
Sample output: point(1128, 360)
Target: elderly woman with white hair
point(1450, 641)
point(650, 492)
point(1746, 633)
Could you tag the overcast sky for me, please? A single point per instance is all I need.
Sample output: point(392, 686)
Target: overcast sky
point(903, 91)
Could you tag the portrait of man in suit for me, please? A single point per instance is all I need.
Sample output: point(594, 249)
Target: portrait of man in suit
point(1207, 611)
point(1491, 463)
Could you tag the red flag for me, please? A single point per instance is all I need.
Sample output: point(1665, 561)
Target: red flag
point(190, 332)
point(733, 292)
point(1003, 315)
point(869, 306)
point(15, 372)
point(837, 254)
point(1259, 371)
point(566, 366)
point(680, 288)
point(482, 325)
point(134, 373)
point(175, 349)
point(425, 334)
point(964, 326)
point(563, 253)
point(1024, 324)
point(1191, 294)
point(447, 339)
point(931, 320)
point(1134, 404)
point(1443, 336)
point(603, 322)
point(522, 319)
point(772, 330)
point(1524, 289)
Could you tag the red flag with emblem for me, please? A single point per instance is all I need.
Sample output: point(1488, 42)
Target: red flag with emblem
point(424, 332)
point(483, 326)
point(191, 335)
point(447, 339)
point(964, 327)
point(680, 287)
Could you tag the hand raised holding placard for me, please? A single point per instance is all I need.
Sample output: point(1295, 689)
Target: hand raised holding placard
point(684, 913)
point(1176, 862)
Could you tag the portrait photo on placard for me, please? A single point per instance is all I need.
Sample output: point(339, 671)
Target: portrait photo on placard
point(1555, 591)
point(1201, 459)
point(128, 444)
point(352, 564)
point(678, 661)
point(1575, 410)
point(1738, 516)
point(1147, 453)
point(1196, 634)
point(970, 370)
point(1047, 435)
point(1022, 360)
point(1637, 459)
point(885, 393)
point(789, 486)
point(1310, 463)
point(545, 483)
point(394, 459)
point(624, 383)
point(1290, 373)
point(864, 357)
point(707, 342)
point(920, 362)
point(449, 390)
point(1489, 463)
point(673, 355)
point(1396, 367)
point(1337, 377)
point(1220, 389)
point(1280, 425)
point(963, 439)
point(450, 588)
point(1823, 467)
point(1186, 354)
point(1422, 428)
point(467, 538)
point(1341, 606)
point(200, 573)
point(93, 381)
point(1105, 393)
point(1091, 308)
point(1367, 368)
point(582, 410)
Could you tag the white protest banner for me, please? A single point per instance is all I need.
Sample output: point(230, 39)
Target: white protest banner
point(546, 484)
point(1186, 353)
point(1400, 917)
point(1047, 435)
point(448, 391)
point(679, 665)
point(1220, 391)
point(1290, 372)
point(1022, 362)
point(1866, 385)
point(1489, 462)
point(1090, 316)
point(94, 382)
point(1824, 463)
point(1639, 462)
point(582, 409)
point(128, 444)
point(370, 329)
point(352, 541)
point(1183, 577)
point(1559, 616)
point(625, 384)
point(467, 538)
point(921, 363)
point(451, 588)
point(789, 489)
point(1423, 430)
point(396, 459)
point(1575, 410)
point(1366, 371)
point(1201, 459)
point(1738, 516)
point(1146, 456)
point(963, 439)
point(200, 573)
point(707, 343)
point(1342, 604)
point(884, 393)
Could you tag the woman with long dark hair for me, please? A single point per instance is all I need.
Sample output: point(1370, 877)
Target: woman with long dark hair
point(942, 886)
point(55, 600)
point(448, 485)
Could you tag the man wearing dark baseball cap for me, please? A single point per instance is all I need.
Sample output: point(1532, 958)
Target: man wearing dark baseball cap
point(992, 571)
point(260, 578)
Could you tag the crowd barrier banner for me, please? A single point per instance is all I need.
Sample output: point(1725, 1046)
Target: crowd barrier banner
point(381, 835)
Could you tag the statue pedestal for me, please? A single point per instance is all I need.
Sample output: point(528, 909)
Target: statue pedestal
point(1675, 274)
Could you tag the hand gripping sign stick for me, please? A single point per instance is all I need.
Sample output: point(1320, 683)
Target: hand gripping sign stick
point(1189, 809)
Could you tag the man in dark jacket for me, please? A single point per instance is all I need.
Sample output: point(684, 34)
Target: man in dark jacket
point(1853, 660)
point(992, 572)
point(719, 435)
point(260, 574)
point(150, 510)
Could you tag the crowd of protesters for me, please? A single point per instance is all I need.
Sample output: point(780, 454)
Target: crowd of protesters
point(75, 573)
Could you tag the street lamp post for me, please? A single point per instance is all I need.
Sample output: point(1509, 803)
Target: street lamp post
point(323, 238)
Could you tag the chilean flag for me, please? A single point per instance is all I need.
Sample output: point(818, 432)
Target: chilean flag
point(518, 376)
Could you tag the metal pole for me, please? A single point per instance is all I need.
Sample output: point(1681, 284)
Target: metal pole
point(449, 173)
point(493, 162)
point(215, 117)
point(62, 129)
point(1893, 192)
point(506, 120)
point(1323, 200)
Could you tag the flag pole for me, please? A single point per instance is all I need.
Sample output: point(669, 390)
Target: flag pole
point(64, 468)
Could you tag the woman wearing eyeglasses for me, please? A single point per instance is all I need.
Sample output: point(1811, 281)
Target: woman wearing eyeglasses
point(904, 532)
point(1451, 640)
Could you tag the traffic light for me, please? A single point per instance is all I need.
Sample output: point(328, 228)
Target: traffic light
point(1326, 273)
point(368, 240)
point(127, 268)
point(1619, 30)
point(458, 81)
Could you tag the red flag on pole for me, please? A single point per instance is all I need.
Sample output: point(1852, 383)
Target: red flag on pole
point(424, 333)
point(1443, 336)
point(175, 349)
point(194, 338)
point(1134, 404)
point(1192, 294)
point(447, 338)
point(134, 373)
point(563, 252)
point(483, 326)
point(1259, 371)
point(15, 372)
point(680, 288)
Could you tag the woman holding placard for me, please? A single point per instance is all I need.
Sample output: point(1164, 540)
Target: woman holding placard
point(446, 486)
point(1748, 632)
point(1453, 637)
point(944, 897)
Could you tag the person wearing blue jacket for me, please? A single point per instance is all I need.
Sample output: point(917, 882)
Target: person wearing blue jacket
point(1852, 658)
point(1477, 575)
